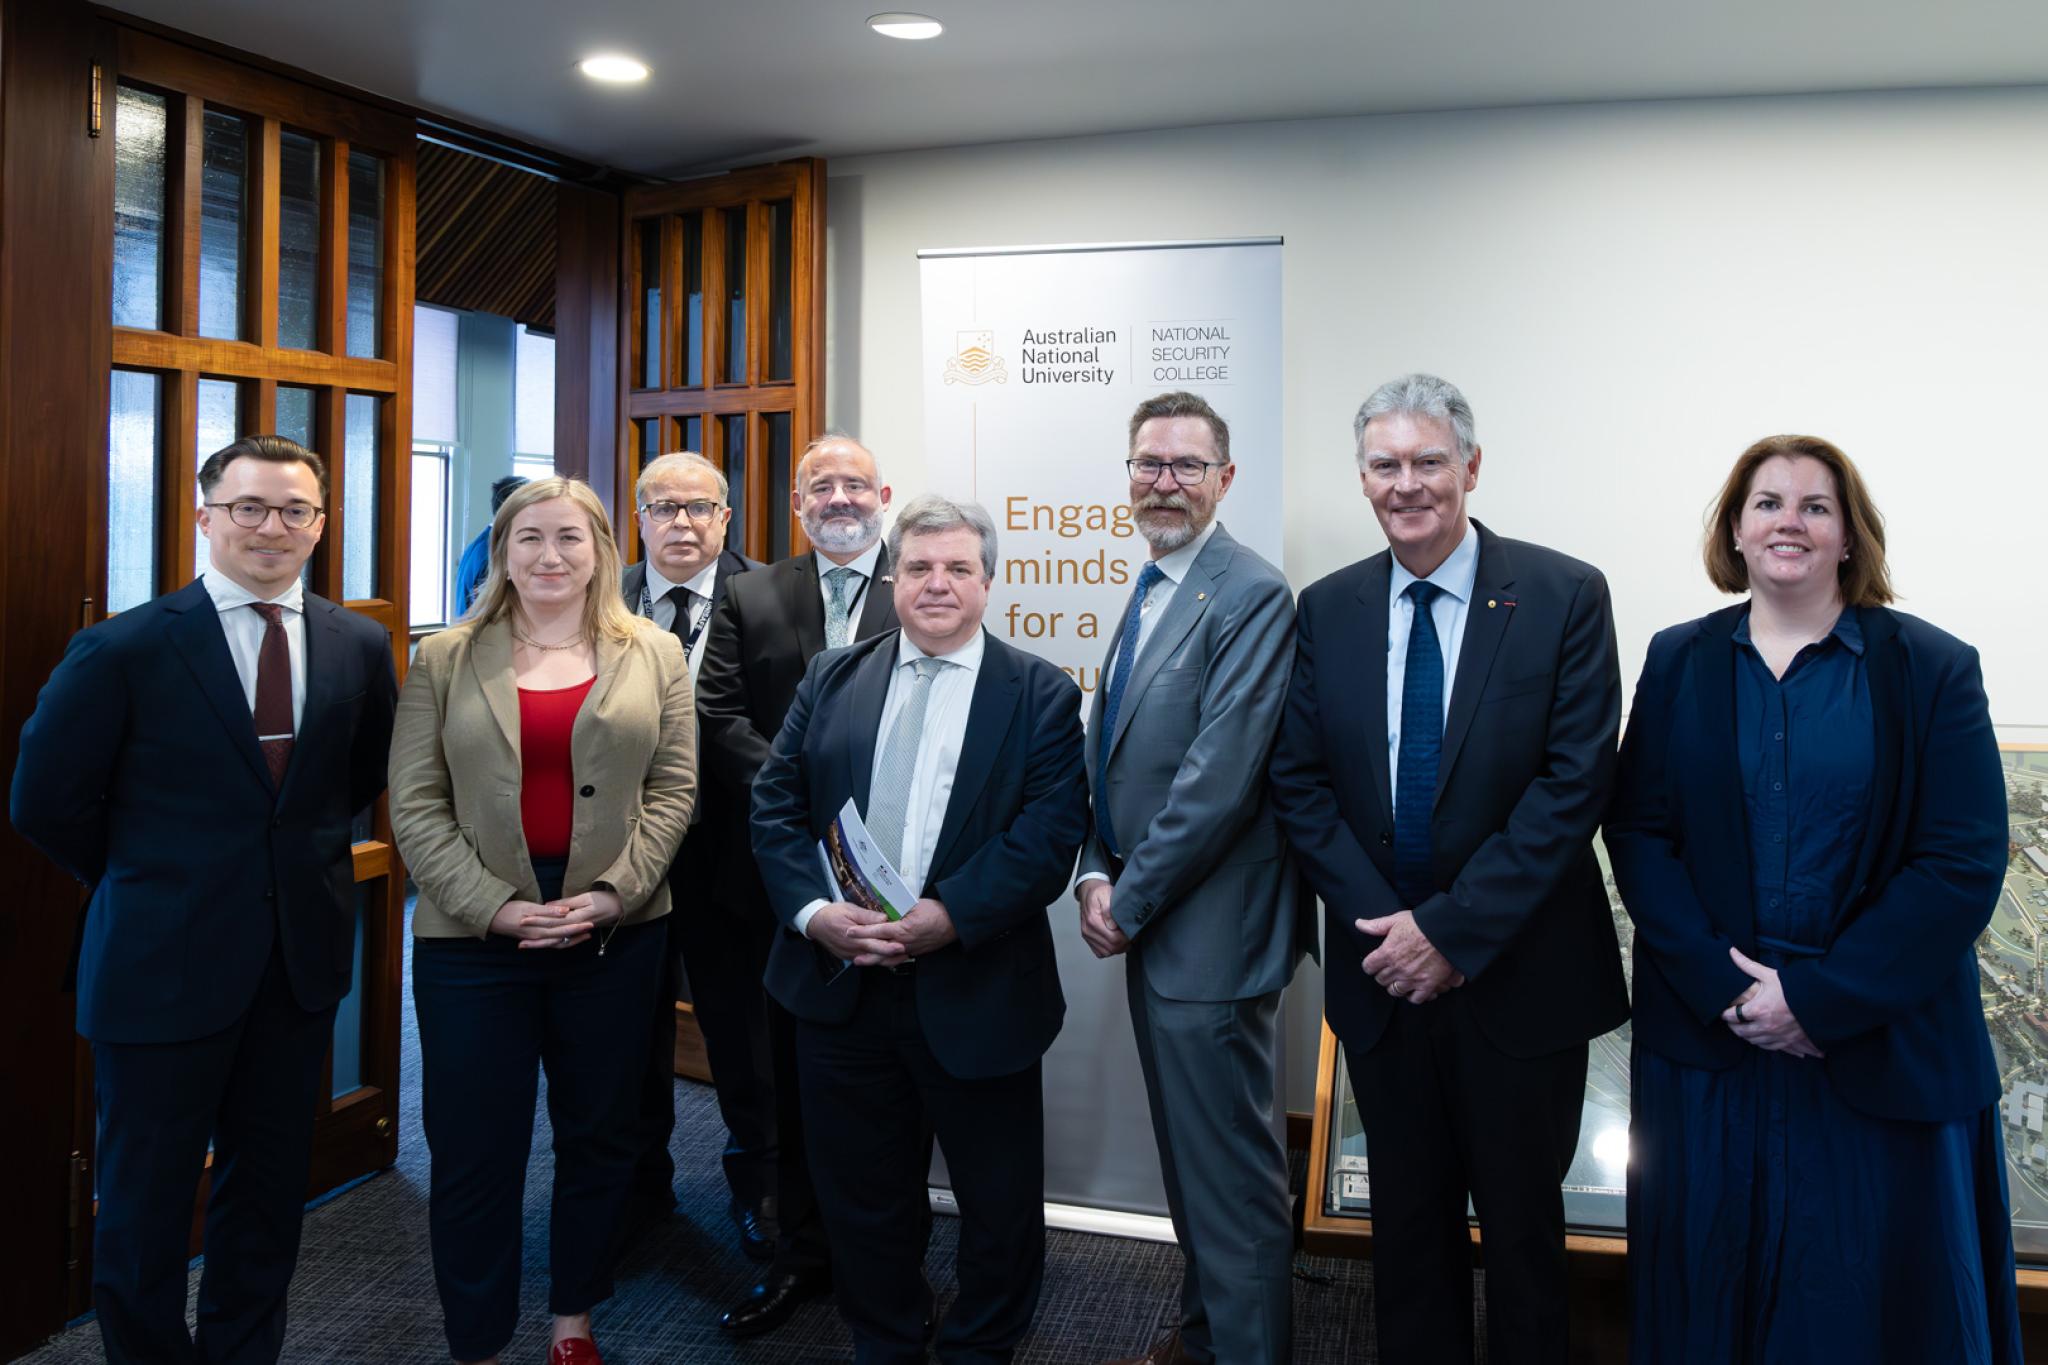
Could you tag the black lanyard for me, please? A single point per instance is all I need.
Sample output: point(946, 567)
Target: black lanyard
point(696, 631)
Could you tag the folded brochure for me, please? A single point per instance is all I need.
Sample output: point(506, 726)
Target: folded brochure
point(856, 869)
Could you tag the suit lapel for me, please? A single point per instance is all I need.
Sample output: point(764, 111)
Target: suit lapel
point(1885, 667)
point(1485, 626)
point(1369, 669)
point(867, 695)
point(611, 655)
point(321, 626)
point(1720, 802)
point(1190, 601)
point(631, 582)
point(728, 565)
point(878, 604)
point(806, 608)
point(196, 634)
point(490, 658)
point(989, 717)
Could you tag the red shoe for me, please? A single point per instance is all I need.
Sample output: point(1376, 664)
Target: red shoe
point(575, 1351)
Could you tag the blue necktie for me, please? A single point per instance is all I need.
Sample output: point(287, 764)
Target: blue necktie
point(1112, 702)
point(1422, 750)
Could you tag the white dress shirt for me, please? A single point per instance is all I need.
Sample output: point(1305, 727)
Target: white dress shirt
point(1457, 576)
point(244, 629)
point(664, 605)
point(863, 566)
point(938, 753)
point(1175, 567)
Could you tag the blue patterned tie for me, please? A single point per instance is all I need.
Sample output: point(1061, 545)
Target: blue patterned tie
point(1422, 750)
point(1112, 702)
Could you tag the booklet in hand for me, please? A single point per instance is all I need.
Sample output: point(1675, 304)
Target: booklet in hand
point(858, 872)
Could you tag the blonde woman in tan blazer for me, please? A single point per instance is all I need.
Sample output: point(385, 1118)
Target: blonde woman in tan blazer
point(543, 770)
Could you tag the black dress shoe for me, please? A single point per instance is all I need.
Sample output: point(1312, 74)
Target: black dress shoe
point(769, 1304)
point(757, 1231)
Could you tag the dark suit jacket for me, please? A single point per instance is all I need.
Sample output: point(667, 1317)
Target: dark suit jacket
point(1528, 763)
point(712, 873)
point(1894, 1001)
point(990, 1004)
point(762, 637)
point(140, 775)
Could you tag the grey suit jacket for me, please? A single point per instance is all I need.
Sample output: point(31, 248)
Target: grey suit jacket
point(1208, 891)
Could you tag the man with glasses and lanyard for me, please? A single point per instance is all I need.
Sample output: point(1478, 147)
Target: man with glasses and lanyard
point(683, 507)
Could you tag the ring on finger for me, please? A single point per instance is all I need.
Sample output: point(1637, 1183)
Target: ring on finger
point(1740, 1017)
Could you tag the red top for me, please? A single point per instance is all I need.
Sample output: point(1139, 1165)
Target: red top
point(547, 778)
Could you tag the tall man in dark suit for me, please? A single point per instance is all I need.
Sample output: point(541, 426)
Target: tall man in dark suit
point(684, 509)
point(197, 761)
point(761, 638)
point(1186, 872)
point(1471, 951)
point(963, 756)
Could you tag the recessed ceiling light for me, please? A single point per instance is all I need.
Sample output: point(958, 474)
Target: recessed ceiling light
point(900, 25)
point(617, 70)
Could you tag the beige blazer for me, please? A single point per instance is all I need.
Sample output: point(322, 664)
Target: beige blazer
point(455, 777)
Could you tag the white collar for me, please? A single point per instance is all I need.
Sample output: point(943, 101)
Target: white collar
point(862, 564)
point(227, 594)
point(659, 585)
point(1457, 575)
point(968, 656)
point(1176, 564)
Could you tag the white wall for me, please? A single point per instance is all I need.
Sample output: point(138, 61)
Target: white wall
point(1629, 294)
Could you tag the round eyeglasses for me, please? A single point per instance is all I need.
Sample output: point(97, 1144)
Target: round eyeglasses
point(250, 514)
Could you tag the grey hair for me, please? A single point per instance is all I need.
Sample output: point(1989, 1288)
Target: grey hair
point(929, 514)
point(1418, 395)
point(831, 436)
point(676, 462)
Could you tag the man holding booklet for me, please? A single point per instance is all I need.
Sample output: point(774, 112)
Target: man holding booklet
point(960, 759)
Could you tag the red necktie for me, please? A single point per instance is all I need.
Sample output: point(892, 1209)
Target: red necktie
point(274, 692)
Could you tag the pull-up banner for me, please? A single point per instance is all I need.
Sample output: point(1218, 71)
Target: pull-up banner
point(1034, 359)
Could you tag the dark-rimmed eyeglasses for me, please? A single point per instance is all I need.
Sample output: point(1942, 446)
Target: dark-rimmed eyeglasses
point(662, 513)
point(249, 514)
point(1186, 473)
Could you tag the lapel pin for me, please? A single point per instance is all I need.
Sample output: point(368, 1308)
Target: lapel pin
point(1491, 603)
point(1201, 597)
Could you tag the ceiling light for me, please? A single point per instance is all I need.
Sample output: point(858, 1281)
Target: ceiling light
point(615, 69)
point(900, 25)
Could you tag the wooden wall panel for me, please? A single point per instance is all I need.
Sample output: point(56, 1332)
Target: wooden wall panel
point(489, 237)
point(589, 439)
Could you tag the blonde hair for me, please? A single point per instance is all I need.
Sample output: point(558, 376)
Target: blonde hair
point(604, 610)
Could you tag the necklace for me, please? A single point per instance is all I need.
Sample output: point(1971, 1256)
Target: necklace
point(569, 643)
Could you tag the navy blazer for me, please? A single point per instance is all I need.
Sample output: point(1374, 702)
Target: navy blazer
point(1894, 1000)
point(1528, 765)
point(140, 775)
point(990, 1004)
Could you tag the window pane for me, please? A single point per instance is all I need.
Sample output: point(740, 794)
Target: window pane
point(429, 538)
point(359, 492)
point(433, 375)
point(139, 124)
point(647, 338)
point(295, 414)
point(132, 459)
point(533, 466)
point(735, 371)
point(732, 431)
point(298, 240)
point(348, 1019)
point(693, 299)
point(533, 408)
point(781, 300)
point(223, 224)
point(220, 422)
point(649, 433)
point(779, 476)
point(365, 254)
point(693, 434)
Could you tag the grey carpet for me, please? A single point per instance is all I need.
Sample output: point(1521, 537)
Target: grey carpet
point(364, 1290)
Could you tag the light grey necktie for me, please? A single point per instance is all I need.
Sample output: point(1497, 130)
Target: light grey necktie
point(837, 581)
point(889, 790)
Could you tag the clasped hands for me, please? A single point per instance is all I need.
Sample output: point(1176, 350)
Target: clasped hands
point(560, 923)
point(1099, 929)
point(1760, 1014)
point(869, 938)
point(1406, 965)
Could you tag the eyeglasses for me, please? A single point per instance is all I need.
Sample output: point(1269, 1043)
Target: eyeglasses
point(250, 514)
point(1186, 473)
point(662, 513)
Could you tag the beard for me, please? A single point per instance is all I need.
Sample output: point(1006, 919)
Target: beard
point(1167, 534)
point(842, 530)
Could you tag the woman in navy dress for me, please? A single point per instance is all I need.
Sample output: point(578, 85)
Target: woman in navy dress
point(1810, 834)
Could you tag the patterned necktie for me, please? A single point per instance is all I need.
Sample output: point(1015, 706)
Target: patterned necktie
point(889, 789)
point(273, 715)
point(1422, 748)
point(1113, 700)
point(837, 583)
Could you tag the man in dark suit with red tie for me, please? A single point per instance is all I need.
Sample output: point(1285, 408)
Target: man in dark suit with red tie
point(197, 761)
point(684, 509)
point(760, 640)
point(1445, 754)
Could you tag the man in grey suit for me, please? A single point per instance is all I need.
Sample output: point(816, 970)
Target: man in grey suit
point(1185, 873)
